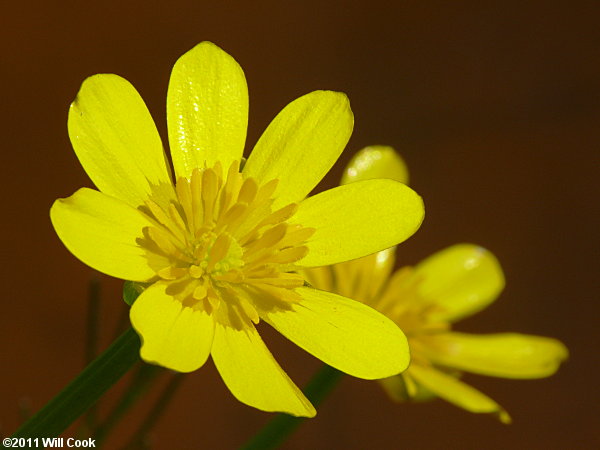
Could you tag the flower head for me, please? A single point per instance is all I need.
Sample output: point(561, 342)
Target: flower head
point(218, 244)
point(426, 300)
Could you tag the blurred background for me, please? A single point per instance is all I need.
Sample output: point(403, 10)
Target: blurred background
point(494, 105)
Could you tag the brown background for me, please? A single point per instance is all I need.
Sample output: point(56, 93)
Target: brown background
point(495, 106)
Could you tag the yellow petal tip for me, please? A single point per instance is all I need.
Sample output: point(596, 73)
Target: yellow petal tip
point(504, 417)
point(376, 161)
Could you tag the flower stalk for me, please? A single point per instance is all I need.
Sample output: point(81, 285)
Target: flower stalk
point(141, 436)
point(139, 385)
point(282, 425)
point(85, 390)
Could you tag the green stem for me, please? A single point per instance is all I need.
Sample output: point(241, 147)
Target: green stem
point(280, 427)
point(141, 435)
point(84, 390)
point(91, 341)
point(140, 383)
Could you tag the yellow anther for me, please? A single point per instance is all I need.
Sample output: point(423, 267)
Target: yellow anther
point(290, 255)
point(270, 239)
point(200, 292)
point(218, 251)
point(210, 186)
point(272, 219)
point(171, 273)
point(184, 194)
point(297, 236)
point(163, 218)
point(196, 192)
point(233, 216)
point(231, 187)
point(249, 310)
point(175, 216)
point(196, 271)
point(248, 191)
point(231, 276)
point(213, 298)
point(266, 191)
point(280, 215)
point(162, 240)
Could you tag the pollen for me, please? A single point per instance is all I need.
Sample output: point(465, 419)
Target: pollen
point(221, 241)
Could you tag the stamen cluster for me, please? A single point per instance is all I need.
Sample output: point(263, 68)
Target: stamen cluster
point(402, 302)
point(221, 241)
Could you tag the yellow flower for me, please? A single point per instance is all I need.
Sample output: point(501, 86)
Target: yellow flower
point(426, 300)
point(218, 245)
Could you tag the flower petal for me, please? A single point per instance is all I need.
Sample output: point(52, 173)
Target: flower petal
point(507, 355)
point(301, 144)
point(457, 392)
point(343, 333)
point(207, 109)
point(116, 140)
point(252, 374)
point(173, 336)
point(358, 219)
point(103, 232)
point(461, 280)
point(375, 161)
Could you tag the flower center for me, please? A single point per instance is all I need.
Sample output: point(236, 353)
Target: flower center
point(404, 304)
point(220, 241)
